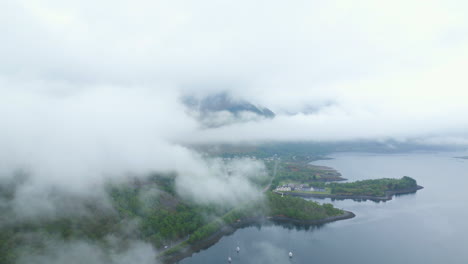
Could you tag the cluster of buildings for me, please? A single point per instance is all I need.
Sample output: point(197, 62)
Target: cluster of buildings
point(272, 158)
point(236, 157)
point(283, 189)
point(252, 157)
point(298, 187)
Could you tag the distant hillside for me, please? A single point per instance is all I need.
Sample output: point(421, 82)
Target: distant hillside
point(221, 109)
point(307, 151)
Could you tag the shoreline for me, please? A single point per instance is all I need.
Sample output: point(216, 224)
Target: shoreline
point(344, 216)
point(388, 196)
point(228, 229)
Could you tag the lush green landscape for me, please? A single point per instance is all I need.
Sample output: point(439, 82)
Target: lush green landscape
point(298, 208)
point(150, 209)
point(301, 172)
point(365, 188)
point(163, 218)
point(377, 187)
point(297, 170)
point(307, 151)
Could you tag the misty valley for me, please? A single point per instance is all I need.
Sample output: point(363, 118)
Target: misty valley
point(155, 211)
point(238, 132)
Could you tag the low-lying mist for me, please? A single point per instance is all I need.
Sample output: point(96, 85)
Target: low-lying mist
point(62, 152)
point(91, 107)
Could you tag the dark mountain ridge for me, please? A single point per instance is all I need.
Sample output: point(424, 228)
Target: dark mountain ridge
point(224, 102)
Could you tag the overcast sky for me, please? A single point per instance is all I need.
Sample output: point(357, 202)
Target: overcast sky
point(99, 82)
point(374, 69)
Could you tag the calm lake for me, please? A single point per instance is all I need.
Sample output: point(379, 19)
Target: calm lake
point(430, 226)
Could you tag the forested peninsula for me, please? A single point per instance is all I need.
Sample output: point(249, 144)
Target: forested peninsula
point(376, 189)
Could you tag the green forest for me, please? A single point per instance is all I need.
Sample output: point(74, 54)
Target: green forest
point(163, 218)
point(299, 208)
point(300, 172)
point(377, 187)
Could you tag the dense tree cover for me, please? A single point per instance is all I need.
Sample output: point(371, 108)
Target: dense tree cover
point(180, 220)
point(205, 231)
point(241, 213)
point(161, 216)
point(298, 208)
point(273, 205)
point(144, 210)
point(8, 244)
point(376, 187)
point(33, 234)
point(300, 172)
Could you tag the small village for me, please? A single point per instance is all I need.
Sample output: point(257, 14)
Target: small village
point(290, 187)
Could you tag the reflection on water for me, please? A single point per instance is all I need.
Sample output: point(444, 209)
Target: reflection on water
point(426, 227)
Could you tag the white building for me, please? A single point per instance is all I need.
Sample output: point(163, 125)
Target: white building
point(283, 189)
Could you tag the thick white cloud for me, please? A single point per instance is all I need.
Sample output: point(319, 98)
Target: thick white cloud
point(222, 182)
point(93, 253)
point(282, 54)
point(92, 88)
point(429, 103)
